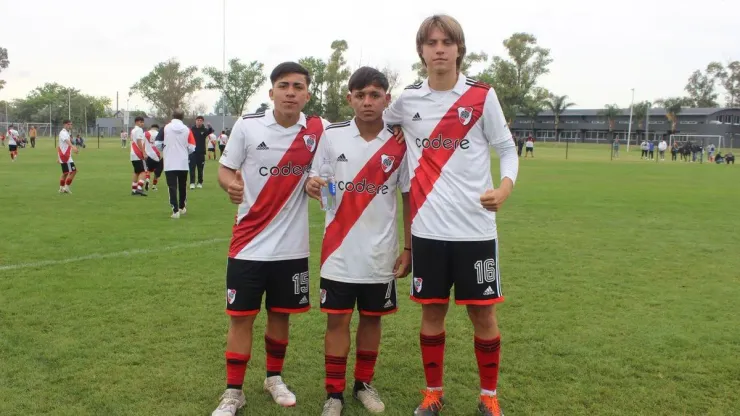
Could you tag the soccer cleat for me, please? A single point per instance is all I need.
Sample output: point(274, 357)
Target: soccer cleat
point(199, 186)
point(67, 190)
point(370, 398)
point(231, 401)
point(279, 391)
point(175, 215)
point(183, 211)
point(488, 406)
point(332, 407)
point(192, 186)
point(432, 403)
point(154, 188)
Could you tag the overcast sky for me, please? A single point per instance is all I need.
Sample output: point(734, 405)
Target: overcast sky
point(600, 49)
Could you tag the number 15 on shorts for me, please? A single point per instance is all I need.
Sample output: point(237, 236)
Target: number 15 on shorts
point(300, 283)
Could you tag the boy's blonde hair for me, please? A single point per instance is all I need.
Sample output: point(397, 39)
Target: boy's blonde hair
point(447, 24)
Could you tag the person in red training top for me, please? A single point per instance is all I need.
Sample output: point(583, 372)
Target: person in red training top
point(450, 123)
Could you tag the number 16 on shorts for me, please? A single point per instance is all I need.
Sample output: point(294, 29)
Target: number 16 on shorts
point(487, 277)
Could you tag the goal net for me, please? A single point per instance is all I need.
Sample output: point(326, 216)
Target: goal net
point(702, 140)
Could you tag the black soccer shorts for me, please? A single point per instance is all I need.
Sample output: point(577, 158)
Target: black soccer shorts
point(138, 166)
point(68, 167)
point(373, 299)
point(285, 283)
point(470, 266)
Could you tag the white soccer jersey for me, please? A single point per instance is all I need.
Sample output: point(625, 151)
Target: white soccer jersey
point(361, 238)
point(12, 137)
point(137, 133)
point(448, 135)
point(151, 149)
point(64, 150)
point(212, 139)
point(223, 139)
point(272, 222)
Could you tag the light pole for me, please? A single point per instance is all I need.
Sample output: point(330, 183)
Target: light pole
point(629, 129)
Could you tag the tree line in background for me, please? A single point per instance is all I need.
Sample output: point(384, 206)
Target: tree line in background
point(515, 77)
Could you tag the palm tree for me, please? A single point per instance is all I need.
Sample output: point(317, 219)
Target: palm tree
point(611, 112)
point(673, 107)
point(558, 104)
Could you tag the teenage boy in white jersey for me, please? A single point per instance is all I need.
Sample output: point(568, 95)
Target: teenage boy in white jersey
point(263, 169)
point(64, 157)
point(13, 142)
point(154, 163)
point(138, 156)
point(450, 122)
point(222, 140)
point(212, 140)
point(359, 255)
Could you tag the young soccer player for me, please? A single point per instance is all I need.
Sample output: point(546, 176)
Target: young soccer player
point(13, 142)
point(153, 157)
point(212, 140)
point(450, 121)
point(138, 155)
point(263, 169)
point(64, 157)
point(222, 140)
point(359, 255)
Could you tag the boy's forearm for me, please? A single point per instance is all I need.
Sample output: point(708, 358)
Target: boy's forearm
point(406, 220)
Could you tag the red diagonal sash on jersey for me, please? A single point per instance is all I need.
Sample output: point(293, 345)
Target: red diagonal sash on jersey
point(451, 126)
point(64, 156)
point(277, 190)
point(137, 151)
point(354, 203)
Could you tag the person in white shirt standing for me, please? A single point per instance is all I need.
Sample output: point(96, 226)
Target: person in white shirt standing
point(177, 144)
point(64, 157)
point(138, 156)
point(13, 142)
point(222, 140)
point(359, 255)
point(662, 146)
point(153, 157)
point(263, 169)
point(212, 140)
point(450, 122)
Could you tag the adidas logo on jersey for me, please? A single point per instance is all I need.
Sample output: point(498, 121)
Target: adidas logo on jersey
point(303, 301)
point(488, 291)
point(388, 304)
point(416, 117)
point(342, 158)
point(262, 146)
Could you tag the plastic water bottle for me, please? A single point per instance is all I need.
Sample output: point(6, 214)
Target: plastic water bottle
point(328, 192)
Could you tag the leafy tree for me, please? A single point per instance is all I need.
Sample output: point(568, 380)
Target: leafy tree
point(337, 74)
point(317, 68)
point(611, 112)
point(515, 78)
point(168, 86)
point(673, 107)
point(701, 86)
point(730, 79)
point(393, 78)
point(640, 112)
point(238, 83)
point(558, 104)
point(263, 108)
point(221, 105)
point(4, 62)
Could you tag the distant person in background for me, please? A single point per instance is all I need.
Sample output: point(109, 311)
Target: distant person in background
point(661, 149)
point(519, 145)
point(138, 157)
point(711, 149)
point(222, 140)
point(615, 146)
point(644, 149)
point(64, 156)
point(674, 151)
point(198, 158)
point(729, 158)
point(530, 147)
point(177, 144)
point(123, 139)
point(212, 140)
point(153, 159)
point(32, 136)
point(13, 142)
point(651, 149)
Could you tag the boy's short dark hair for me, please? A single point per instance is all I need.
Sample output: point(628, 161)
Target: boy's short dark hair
point(289, 68)
point(138, 118)
point(154, 126)
point(200, 118)
point(223, 131)
point(366, 76)
point(66, 121)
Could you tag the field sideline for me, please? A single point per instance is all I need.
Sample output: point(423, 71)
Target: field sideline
point(621, 280)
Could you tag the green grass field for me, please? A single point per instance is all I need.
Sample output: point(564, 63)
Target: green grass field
point(622, 282)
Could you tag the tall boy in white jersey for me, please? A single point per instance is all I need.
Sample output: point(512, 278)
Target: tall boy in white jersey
point(64, 157)
point(154, 163)
point(13, 142)
point(450, 122)
point(138, 156)
point(263, 169)
point(222, 140)
point(359, 255)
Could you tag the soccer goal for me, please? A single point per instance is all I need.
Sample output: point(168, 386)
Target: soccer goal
point(703, 140)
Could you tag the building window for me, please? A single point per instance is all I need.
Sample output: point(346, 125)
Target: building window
point(657, 122)
point(688, 122)
point(571, 122)
point(597, 122)
point(624, 122)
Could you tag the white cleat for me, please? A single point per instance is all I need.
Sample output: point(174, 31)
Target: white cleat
point(192, 186)
point(332, 407)
point(370, 398)
point(183, 211)
point(279, 391)
point(175, 215)
point(199, 186)
point(67, 190)
point(231, 401)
